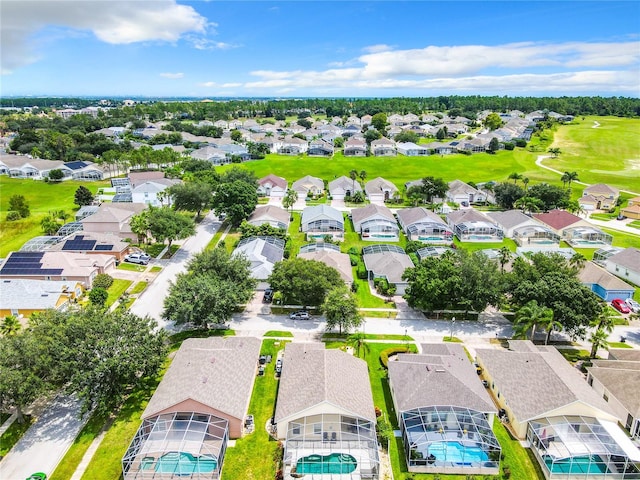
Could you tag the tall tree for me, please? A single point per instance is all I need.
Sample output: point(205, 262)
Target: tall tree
point(362, 175)
point(83, 196)
point(493, 121)
point(598, 340)
point(167, 224)
point(555, 151)
point(494, 145)
point(303, 282)
point(18, 203)
point(237, 200)
point(504, 256)
point(379, 122)
point(191, 196)
point(290, 199)
point(507, 194)
point(10, 326)
point(529, 317)
point(217, 262)
point(353, 174)
point(515, 176)
point(340, 308)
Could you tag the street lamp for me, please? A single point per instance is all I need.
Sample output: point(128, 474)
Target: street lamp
point(453, 321)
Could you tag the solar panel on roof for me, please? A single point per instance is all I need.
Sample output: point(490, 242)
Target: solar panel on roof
point(104, 247)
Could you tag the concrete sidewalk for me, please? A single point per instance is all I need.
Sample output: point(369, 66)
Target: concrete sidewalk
point(45, 443)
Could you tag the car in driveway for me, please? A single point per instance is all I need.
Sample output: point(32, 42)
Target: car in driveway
point(139, 258)
point(619, 305)
point(268, 295)
point(301, 315)
point(633, 305)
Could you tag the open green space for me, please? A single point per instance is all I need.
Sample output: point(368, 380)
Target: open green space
point(42, 197)
point(366, 336)
point(116, 290)
point(606, 154)
point(256, 456)
point(519, 460)
point(618, 345)
point(278, 333)
point(13, 434)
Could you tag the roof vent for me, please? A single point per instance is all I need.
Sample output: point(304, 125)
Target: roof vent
point(440, 370)
point(204, 379)
point(213, 360)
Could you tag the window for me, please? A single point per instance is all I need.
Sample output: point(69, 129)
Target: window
point(605, 397)
point(317, 428)
point(296, 429)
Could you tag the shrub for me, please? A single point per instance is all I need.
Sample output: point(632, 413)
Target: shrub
point(362, 273)
point(98, 296)
point(13, 215)
point(354, 287)
point(385, 354)
point(521, 142)
point(353, 260)
point(103, 280)
point(353, 251)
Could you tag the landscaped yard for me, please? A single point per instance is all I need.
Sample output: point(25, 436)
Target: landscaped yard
point(138, 288)
point(116, 290)
point(13, 434)
point(132, 267)
point(42, 197)
point(254, 456)
point(278, 333)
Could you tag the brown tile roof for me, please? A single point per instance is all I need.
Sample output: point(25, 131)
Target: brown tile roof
point(557, 219)
point(313, 375)
point(217, 371)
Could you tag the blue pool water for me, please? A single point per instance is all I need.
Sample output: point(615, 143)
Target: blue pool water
point(575, 465)
point(457, 453)
point(183, 463)
point(334, 463)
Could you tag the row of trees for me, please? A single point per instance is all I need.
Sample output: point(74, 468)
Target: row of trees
point(97, 354)
point(466, 281)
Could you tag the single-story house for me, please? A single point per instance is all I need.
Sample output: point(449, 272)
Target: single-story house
point(410, 149)
point(83, 170)
point(92, 244)
point(625, 264)
point(308, 186)
point(113, 218)
point(599, 197)
point(343, 187)
point(444, 412)
point(22, 297)
point(319, 221)
point(201, 403)
point(380, 190)
point(60, 266)
point(383, 147)
point(423, 225)
point(603, 283)
point(355, 147)
point(571, 429)
point(427, 252)
point(270, 214)
point(326, 426)
point(525, 230)
point(272, 186)
point(85, 211)
point(330, 255)
point(618, 381)
point(561, 220)
point(211, 154)
point(320, 148)
point(293, 146)
point(263, 253)
point(460, 192)
point(19, 166)
point(632, 210)
point(473, 226)
point(388, 262)
point(375, 223)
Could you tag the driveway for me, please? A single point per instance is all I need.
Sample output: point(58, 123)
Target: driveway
point(45, 443)
point(151, 301)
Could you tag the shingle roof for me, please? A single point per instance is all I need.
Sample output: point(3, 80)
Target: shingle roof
point(621, 380)
point(443, 376)
point(22, 294)
point(468, 215)
point(312, 375)
point(340, 261)
point(537, 380)
point(408, 216)
point(388, 264)
point(315, 212)
point(379, 185)
point(593, 274)
point(628, 258)
point(217, 371)
point(109, 213)
point(359, 215)
point(269, 212)
point(305, 183)
point(557, 219)
point(345, 183)
point(262, 252)
point(274, 180)
point(458, 187)
point(509, 219)
point(601, 188)
point(627, 354)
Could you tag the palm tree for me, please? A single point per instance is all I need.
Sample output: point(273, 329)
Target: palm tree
point(577, 261)
point(528, 204)
point(555, 151)
point(604, 321)
point(564, 178)
point(515, 176)
point(504, 255)
point(353, 174)
point(525, 181)
point(10, 326)
point(598, 340)
point(572, 177)
point(529, 317)
point(550, 325)
point(362, 175)
point(49, 224)
point(290, 198)
point(357, 341)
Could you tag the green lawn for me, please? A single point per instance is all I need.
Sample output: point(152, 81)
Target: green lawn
point(618, 345)
point(131, 267)
point(278, 333)
point(155, 269)
point(13, 434)
point(41, 197)
point(138, 288)
point(520, 461)
point(607, 154)
point(573, 355)
point(622, 239)
point(254, 456)
point(116, 290)
point(367, 336)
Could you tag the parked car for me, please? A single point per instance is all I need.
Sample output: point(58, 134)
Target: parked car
point(633, 305)
point(268, 295)
point(139, 258)
point(262, 360)
point(261, 370)
point(619, 305)
point(278, 367)
point(301, 315)
point(37, 476)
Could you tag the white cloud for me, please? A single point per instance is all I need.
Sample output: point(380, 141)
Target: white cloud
point(220, 85)
point(172, 75)
point(202, 43)
point(517, 67)
point(111, 21)
point(377, 48)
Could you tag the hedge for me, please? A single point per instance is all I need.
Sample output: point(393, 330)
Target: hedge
point(385, 354)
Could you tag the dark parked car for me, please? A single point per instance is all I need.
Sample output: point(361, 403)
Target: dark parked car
point(619, 305)
point(262, 360)
point(268, 295)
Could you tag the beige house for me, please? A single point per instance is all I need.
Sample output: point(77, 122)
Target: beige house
point(200, 404)
point(93, 244)
point(270, 214)
point(571, 429)
point(632, 210)
point(328, 427)
point(56, 266)
point(330, 255)
point(440, 402)
point(599, 197)
point(576, 231)
point(113, 218)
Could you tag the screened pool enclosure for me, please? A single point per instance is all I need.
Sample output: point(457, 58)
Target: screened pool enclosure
point(448, 439)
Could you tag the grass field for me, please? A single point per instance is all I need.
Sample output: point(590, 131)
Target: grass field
point(41, 197)
point(608, 154)
point(13, 434)
point(116, 290)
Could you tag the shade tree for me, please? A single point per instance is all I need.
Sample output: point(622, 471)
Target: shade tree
point(304, 282)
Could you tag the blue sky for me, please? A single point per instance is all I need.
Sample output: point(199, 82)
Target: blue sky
point(330, 48)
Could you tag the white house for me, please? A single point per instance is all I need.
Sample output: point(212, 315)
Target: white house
point(375, 223)
point(380, 190)
point(319, 221)
point(625, 264)
point(343, 187)
point(308, 186)
point(272, 186)
point(460, 192)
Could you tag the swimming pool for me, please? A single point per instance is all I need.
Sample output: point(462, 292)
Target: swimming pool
point(457, 453)
point(183, 463)
point(586, 464)
point(336, 463)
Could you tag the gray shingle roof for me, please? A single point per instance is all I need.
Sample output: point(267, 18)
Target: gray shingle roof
point(408, 216)
point(312, 375)
point(470, 215)
point(345, 183)
point(509, 219)
point(537, 380)
point(593, 274)
point(621, 380)
point(628, 258)
point(388, 264)
point(444, 376)
point(627, 354)
point(269, 212)
point(318, 212)
point(340, 261)
point(379, 185)
point(217, 371)
point(23, 294)
point(359, 215)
